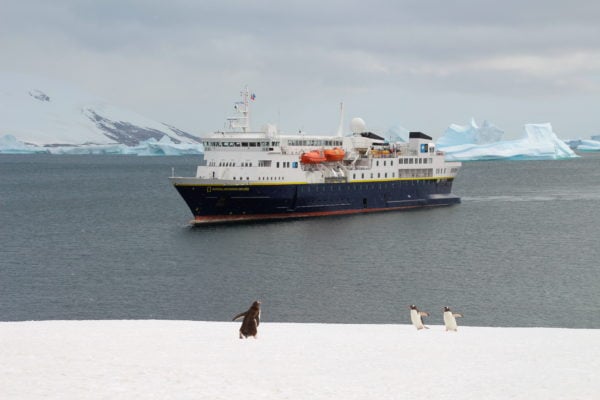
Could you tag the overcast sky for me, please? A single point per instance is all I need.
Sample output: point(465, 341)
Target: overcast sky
point(418, 64)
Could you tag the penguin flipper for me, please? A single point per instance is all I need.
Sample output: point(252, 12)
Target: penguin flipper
point(239, 315)
point(258, 320)
point(457, 315)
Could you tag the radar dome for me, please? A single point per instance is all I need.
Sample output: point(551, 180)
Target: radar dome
point(357, 125)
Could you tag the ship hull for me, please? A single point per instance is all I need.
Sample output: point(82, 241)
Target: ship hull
point(214, 202)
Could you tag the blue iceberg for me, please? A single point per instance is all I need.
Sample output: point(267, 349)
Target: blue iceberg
point(11, 145)
point(471, 143)
point(588, 145)
point(585, 145)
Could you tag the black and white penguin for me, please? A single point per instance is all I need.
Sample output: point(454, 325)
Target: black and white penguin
point(416, 317)
point(250, 322)
point(450, 319)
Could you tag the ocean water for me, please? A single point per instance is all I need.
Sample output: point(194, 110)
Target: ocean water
point(107, 237)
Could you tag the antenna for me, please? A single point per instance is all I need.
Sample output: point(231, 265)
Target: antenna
point(341, 125)
point(243, 110)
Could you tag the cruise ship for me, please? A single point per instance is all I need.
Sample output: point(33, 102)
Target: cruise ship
point(262, 175)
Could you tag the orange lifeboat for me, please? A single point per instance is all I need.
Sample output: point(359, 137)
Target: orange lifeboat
point(335, 154)
point(312, 157)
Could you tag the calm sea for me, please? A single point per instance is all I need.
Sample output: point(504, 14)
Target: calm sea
point(106, 237)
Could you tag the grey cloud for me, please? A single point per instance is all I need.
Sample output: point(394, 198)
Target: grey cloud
point(503, 49)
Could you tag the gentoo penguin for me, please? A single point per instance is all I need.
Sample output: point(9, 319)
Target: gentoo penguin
point(450, 319)
point(251, 320)
point(416, 317)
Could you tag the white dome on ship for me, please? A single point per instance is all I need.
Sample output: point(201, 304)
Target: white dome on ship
point(357, 125)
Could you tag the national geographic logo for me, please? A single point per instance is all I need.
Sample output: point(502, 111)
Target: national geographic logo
point(210, 189)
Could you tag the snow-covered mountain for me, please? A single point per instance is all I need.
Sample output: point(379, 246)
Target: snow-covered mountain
point(47, 113)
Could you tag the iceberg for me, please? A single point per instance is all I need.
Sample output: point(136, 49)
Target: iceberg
point(471, 143)
point(11, 145)
point(456, 135)
point(151, 147)
point(397, 134)
point(573, 143)
point(588, 145)
point(585, 145)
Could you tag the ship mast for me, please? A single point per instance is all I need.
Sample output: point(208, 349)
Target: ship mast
point(341, 125)
point(242, 120)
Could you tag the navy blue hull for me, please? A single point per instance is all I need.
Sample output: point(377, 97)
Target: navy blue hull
point(219, 203)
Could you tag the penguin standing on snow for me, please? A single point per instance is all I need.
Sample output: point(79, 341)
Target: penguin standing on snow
point(250, 322)
point(416, 317)
point(450, 319)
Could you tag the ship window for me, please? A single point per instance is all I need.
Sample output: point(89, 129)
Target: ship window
point(362, 175)
point(393, 174)
point(277, 164)
point(384, 164)
point(378, 175)
point(385, 176)
point(353, 176)
point(392, 162)
point(410, 160)
point(371, 175)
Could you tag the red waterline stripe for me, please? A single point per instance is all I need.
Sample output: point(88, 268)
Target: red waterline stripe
point(198, 220)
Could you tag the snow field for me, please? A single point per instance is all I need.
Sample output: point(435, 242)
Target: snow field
point(191, 360)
